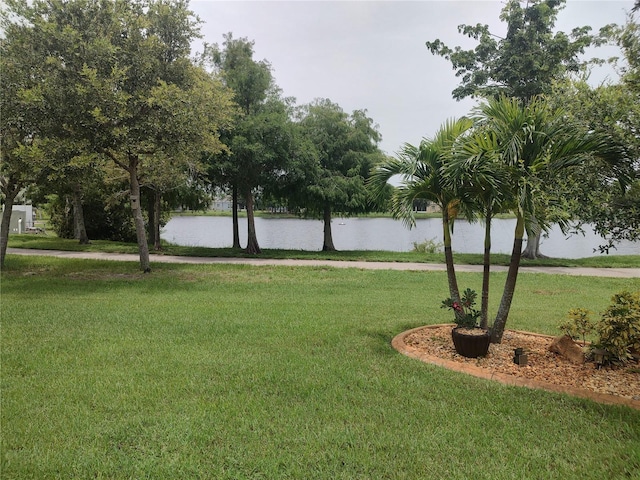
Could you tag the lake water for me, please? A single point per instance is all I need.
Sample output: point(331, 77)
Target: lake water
point(373, 234)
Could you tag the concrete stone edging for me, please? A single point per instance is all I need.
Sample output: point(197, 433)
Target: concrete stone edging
point(399, 344)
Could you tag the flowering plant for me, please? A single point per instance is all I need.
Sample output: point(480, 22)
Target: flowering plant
point(465, 315)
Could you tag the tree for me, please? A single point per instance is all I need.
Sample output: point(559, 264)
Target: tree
point(421, 175)
point(21, 156)
point(529, 140)
point(603, 194)
point(73, 170)
point(168, 184)
point(607, 195)
point(523, 64)
point(105, 205)
point(478, 179)
point(117, 76)
point(262, 135)
point(346, 151)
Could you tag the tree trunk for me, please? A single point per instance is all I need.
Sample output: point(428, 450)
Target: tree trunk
point(141, 234)
point(486, 273)
point(327, 244)
point(80, 231)
point(532, 250)
point(510, 284)
point(234, 210)
point(10, 196)
point(252, 240)
point(157, 206)
point(454, 292)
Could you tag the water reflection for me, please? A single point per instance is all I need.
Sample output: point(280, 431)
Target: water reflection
point(373, 234)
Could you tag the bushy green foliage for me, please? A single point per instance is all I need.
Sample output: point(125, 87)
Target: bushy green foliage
point(428, 246)
point(106, 218)
point(578, 325)
point(466, 316)
point(619, 328)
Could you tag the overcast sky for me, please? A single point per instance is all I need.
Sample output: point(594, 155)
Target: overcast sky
point(372, 55)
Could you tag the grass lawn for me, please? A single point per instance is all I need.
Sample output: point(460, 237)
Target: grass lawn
point(233, 372)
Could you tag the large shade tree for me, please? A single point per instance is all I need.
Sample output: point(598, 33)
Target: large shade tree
point(346, 151)
point(261, 138)
point(607, 195)
point(523, 63)
point(117, 75)
point(22, 160)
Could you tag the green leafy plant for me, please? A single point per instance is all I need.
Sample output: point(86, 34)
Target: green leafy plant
point(619, 328)
point(465, 315)
point(578, 325)
point(428, 246)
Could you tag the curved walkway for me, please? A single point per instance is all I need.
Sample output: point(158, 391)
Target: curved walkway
point(159, 258)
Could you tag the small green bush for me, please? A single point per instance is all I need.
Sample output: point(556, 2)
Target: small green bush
point(578, 325)
point(428, 246)
point(619, 328)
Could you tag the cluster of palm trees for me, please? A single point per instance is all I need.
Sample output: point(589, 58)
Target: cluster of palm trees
point(498, 160)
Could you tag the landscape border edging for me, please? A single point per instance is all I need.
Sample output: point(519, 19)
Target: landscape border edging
point(398, 343)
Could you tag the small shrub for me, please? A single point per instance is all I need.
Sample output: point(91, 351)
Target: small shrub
point(465, 315)
point(428, 246)
point(619, 328)
point(578, 325)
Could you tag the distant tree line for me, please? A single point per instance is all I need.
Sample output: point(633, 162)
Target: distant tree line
point(109, 118)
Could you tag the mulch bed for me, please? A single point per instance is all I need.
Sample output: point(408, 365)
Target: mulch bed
point(544, 369)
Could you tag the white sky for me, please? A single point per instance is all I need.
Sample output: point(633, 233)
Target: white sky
point(372, 55)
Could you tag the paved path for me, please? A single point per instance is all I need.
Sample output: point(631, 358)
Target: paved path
point(155, 258)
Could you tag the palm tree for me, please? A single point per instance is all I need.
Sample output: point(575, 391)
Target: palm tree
point(478, 179)
point(420, 172)
point(530, 140)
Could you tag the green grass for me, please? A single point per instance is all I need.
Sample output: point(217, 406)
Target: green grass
point(233, 372)
point(55, 243)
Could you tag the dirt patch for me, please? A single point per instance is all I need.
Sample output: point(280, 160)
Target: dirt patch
point(104, 275)
point(544, 369)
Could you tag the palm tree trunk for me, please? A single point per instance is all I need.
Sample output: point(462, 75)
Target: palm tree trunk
point(486, 272)
point(252, 240)
point(454, 293)
point(327, 244)
point(234, 210)
point(141, 234)
point(510, 283)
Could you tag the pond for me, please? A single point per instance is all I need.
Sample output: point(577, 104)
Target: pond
point(373, 234)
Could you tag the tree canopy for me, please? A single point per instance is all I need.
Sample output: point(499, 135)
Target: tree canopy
point(114, 78)
point(606, 195)
point(346, 150)
point(525, 61)
point(262, 135)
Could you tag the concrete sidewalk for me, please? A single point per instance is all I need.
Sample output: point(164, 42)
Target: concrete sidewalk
point(158, 258)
